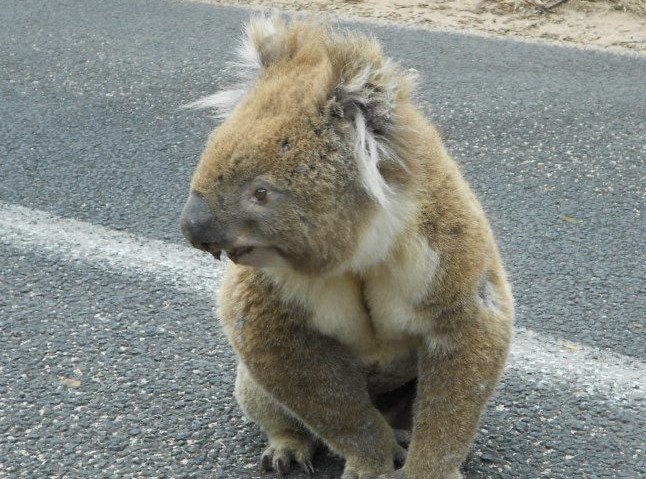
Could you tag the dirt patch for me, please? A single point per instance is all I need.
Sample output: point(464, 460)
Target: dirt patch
point(612, 24)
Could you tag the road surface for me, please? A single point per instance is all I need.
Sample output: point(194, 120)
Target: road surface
point(112, 363)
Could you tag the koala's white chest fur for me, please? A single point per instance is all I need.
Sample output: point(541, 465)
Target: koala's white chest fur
point(373, 313)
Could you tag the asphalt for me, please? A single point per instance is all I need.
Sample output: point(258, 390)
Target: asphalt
point(552, 139)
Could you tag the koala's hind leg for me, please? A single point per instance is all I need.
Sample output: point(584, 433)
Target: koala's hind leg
point(288, 439)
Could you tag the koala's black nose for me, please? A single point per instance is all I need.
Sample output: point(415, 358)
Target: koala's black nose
point(199, 225)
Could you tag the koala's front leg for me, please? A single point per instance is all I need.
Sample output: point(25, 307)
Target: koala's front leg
point(288, 439)
point(454, 385)
point(320, 383)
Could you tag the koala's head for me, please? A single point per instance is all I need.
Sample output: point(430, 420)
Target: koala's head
point(306, 159)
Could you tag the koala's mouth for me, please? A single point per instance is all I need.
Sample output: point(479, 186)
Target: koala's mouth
point(256, 256)
point(210, 248)
point(236, 253)
point(246, 255)
point(233, 254)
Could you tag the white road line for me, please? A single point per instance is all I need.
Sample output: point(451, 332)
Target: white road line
point(29, 229)
point(540, 359)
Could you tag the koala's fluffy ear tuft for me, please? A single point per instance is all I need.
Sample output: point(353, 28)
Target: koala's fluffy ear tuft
point(371, 84)
point(261, 44)
point(358, 96)
point(369, 88)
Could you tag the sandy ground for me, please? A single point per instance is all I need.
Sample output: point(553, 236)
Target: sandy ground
point(611, 24)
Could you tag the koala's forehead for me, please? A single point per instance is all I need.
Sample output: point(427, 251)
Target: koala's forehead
point(276, 127)
point(249, 145)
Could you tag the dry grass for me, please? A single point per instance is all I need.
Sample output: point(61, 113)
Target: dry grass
point(637, 7)
point(632, 6)
point(616, 24)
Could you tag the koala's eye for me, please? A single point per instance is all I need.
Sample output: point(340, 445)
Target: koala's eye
point(260, 194)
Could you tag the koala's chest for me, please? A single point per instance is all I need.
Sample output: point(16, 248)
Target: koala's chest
point(369, 317)
point(377, 315)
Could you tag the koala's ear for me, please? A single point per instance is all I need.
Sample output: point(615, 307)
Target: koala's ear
point(366, 97)
point(261, 45)
point(371, 87)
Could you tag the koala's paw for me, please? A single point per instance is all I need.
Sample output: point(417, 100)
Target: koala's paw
point(280, 454)
point(398, 459)
point(398, 474)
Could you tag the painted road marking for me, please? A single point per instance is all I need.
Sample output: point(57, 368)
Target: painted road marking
point(540, 358)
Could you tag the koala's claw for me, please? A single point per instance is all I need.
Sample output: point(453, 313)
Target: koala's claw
point(280, 461)
point(307, 467)
point(275, 460)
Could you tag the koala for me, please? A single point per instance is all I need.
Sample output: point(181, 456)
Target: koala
point(364, 294)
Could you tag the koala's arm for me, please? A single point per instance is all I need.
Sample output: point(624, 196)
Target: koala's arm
point(314, 377)
point(454, 384)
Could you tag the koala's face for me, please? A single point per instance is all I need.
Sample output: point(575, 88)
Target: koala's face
point(294, 175)
point(277, 183)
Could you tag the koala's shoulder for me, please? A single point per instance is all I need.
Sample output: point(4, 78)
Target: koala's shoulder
point(248, 295)
point(243, 286)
